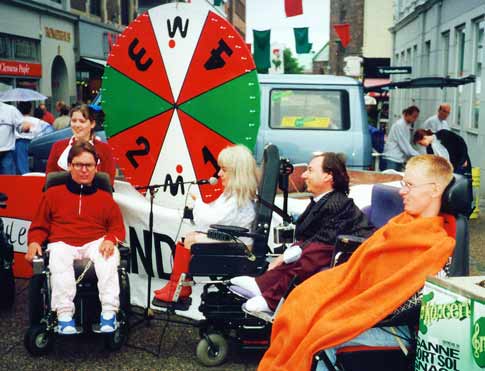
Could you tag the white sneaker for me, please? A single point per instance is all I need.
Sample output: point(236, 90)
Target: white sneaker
point(107, 323)
point(257, 304)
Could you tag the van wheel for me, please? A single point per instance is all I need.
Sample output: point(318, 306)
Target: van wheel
point(212, 350)
point(38, 340)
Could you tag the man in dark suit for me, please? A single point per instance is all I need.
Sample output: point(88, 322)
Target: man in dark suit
point(329, 214)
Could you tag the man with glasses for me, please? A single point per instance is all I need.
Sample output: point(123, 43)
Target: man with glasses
point(438, 122)
point(79, 221)
point(384, 276)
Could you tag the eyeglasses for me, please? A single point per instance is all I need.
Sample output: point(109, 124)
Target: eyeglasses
point(80, 165)
point(410, 186)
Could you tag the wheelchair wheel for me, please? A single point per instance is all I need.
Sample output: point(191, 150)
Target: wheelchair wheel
point(116, 340)
point(37, 300)
point(38, 340)
point(7, 288)
point(125, 304)
point(212, 350)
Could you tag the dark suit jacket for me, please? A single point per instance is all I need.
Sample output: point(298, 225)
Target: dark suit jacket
point(332, 215)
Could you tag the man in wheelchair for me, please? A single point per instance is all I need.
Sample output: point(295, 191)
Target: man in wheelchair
point(79, 220)
point(329, 214)
point(340, 306)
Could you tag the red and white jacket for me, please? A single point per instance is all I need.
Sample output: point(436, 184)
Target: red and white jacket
point(76, 214)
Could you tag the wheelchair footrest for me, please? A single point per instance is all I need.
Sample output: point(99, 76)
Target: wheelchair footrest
point(96, 328)
point(79, 330)
point(181, 304)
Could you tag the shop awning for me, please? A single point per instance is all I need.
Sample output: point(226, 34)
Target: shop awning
point(93, 63)
point(421, 82)
point(375, 82)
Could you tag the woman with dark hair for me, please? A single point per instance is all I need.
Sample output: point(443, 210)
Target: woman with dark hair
point(83, 122)
point(329, 214)
point(447, 144)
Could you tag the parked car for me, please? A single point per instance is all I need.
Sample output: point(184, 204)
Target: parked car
point(301, 114)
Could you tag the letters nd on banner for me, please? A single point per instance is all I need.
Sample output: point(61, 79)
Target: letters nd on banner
point(451, 330)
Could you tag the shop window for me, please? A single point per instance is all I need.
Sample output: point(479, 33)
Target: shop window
point(5, 84)
point(28, 84)
point(5, 47)
point(478, 39)
point(78, 5)
point(25, 49)
point(309, 109)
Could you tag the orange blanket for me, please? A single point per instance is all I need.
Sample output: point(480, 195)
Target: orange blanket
point(336, 305)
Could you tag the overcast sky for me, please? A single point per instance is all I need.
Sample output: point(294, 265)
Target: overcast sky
point(270, 14)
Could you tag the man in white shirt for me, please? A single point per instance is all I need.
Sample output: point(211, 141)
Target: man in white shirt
point(10, 122)
point(398, 148)
point(438, 122)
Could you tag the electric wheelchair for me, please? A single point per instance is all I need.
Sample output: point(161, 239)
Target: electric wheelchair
point(40, 335)
point(224, 318)
point(385, 204)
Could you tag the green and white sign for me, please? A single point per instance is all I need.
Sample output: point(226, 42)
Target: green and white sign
point(451, 326)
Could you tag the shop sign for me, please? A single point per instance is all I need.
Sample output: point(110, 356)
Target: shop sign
point(52, 33)
point(15, 68)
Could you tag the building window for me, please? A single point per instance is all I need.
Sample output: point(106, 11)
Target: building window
point(78, 5)
point(241, 10)
point(25, 49)
point(5, 47)
point(95, 7)
point(445, 46)
point(460, 38)
point(427, 59)
point(309, 109)
point(478, 38)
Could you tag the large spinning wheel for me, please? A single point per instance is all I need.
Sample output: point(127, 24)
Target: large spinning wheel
point(179, 86)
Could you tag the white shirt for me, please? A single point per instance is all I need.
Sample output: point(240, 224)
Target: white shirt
point(224, 211)
point(35, 130)
point(10, 121)
point(435, 124)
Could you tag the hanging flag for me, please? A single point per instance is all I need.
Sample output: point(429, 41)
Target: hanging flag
point(293, 7)
point(343, 32)
point(301, 40)
point(261, 49)
point(217, 2)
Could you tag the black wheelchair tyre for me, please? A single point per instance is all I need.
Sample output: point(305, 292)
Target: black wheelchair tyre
point(37, 300)
point(215, 355)
point(115, 340)
point(7, 288)
point(38, 341)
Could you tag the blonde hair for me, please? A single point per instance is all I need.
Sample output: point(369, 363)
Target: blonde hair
point(243, 180)
point(434, 168)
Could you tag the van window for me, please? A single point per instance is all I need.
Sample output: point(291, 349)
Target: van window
point(309, 109)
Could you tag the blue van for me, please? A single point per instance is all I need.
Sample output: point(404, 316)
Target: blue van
point(303, 114)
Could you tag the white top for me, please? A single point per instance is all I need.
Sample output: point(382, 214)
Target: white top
point(10, 121)
point(435, 124)
point(224, 211)
point(36, 129)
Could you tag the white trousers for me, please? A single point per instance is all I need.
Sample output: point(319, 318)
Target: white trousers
point(63, 282)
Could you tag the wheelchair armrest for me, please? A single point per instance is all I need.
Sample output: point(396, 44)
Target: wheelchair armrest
point(344, 247)
point(124, 249)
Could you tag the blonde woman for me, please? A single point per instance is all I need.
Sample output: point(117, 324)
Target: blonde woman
point(235, 206)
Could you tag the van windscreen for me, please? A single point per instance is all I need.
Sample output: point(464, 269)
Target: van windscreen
point(309, 109)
